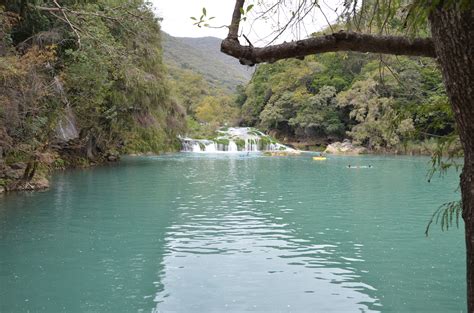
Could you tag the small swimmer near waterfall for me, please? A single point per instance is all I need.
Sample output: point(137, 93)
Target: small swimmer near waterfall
point(360, 166)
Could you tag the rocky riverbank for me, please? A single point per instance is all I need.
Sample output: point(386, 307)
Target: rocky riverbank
point(23, 176)
point(345, 148)
point(34, 173)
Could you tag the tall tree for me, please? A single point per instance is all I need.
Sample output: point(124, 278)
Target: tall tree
point(451, 43)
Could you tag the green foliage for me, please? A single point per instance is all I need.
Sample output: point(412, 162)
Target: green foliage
point(188, 88)
point(407, 17)
point(383, 103)
point(222, 141)
point(107, 71)
point(240, 143)
point(213, 110)
point(445, 215)
point(269, 79)
point(339, 70)
point(201, 80)
point(202, 57)
point(198, 130)
point(376, 118)
point(240, 96)
point(28, 102)
point(208, 108)
point(318, 116)
point(446, 154)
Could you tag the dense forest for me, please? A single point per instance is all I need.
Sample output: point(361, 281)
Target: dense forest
point(80, 83)
point(384, 103)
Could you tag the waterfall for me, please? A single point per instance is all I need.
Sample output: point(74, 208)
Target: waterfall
point(251, 144)
point(234, 139)
point(66, 129)
point(232, 146)
point(211, 147)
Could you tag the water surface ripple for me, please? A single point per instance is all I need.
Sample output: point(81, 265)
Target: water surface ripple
point(226, 233)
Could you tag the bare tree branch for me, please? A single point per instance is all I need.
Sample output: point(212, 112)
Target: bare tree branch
point(340, 41)
point(75, 28)
point(69, 23)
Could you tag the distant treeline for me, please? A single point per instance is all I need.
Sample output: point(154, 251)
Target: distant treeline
point(381, 102)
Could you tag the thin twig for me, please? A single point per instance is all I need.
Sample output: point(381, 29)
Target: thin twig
point(250, 44)
point(69, 23)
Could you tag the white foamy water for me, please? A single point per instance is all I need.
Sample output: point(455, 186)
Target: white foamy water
point(233, 140)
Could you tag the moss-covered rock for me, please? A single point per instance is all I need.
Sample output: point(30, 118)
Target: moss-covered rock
point(222, 141)
point(240, 144)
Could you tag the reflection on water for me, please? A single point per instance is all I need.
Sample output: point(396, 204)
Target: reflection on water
point(261, 265)
point(217, 233)
point(227, 237)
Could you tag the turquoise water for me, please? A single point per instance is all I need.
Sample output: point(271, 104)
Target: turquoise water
point(222, 233)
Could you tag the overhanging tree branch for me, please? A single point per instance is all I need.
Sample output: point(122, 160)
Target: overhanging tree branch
point(63, 10)
point(74, 29)
point(340, 41)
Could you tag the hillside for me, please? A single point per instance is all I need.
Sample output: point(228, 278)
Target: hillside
point(329, 97)
point(66, 102)
point(203, 55)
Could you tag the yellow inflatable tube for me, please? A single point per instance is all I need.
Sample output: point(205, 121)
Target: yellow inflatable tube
point(319, 158)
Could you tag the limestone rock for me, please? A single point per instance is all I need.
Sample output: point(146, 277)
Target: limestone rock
point(36, 183)
point(12, 173)
point(47, 158)
point(18, 166)
point(112, 156)
point(282, 153)
point(345, 147)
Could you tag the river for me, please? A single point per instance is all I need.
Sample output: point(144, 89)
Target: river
point(233, 233)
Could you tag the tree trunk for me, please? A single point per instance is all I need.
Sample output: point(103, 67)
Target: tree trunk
point(453, 37)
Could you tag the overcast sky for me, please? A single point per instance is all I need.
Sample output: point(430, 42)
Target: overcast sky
point(176, 16)
point(177, 22)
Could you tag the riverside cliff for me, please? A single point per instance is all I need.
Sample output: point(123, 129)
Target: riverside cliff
point(79, 93)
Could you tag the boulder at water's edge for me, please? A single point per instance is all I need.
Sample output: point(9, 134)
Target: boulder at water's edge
point(345, 147)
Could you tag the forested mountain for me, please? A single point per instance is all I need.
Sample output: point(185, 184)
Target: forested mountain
point(203, 56)
point(203, 81)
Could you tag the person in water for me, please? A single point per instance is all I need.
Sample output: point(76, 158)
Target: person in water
point(349, 166)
